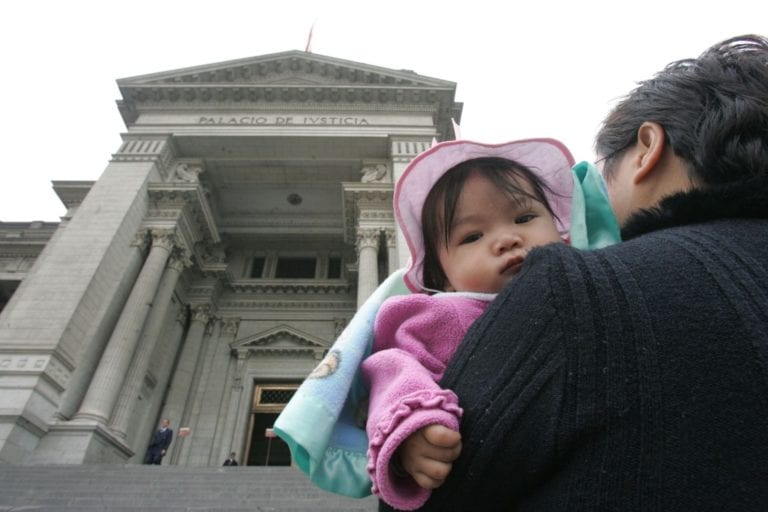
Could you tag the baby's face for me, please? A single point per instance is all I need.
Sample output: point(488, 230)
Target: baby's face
point(491, 235)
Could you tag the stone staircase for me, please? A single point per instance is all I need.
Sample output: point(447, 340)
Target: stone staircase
point(118, 488)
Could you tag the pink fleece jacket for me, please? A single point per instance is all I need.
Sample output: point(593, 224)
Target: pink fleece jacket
point(415, 337)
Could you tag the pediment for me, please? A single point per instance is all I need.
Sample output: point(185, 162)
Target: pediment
point(283, 338)
point(292, 68)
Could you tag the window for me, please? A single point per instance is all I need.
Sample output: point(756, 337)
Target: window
point(295, 268)
point(334, 267)
point(257, 267)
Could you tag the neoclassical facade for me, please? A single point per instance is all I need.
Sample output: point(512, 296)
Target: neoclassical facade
point(243, 219)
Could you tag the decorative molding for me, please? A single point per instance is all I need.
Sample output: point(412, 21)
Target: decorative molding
point(20, 252)
point(289, 305)
point(229, 326)
point(25, 239)
point(291, 67)
point(187, 203)
point(366, 201)
point(239, 219)
point(377, 215)
point(211, 258)
point(282, 340)
point(243, 113)
point(277, 286)
point(358, 96)
point(24, 364)
point(211, 253)
point(146, 148)
point(372, 193)
point(403, 151)
point(375, 173)
point(187, 170)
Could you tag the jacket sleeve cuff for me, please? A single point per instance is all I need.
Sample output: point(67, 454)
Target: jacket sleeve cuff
point(414, 412)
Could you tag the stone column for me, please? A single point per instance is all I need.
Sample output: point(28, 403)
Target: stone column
point(78, 382)
point(393, 262)
point(227, 442)
point(239, 441)
point(108, 379)
point(126, 402)
point(209, 420)
point(224, 428)
point(145, 426)
point(179, 393)
point(367, 266)
point(194, 405)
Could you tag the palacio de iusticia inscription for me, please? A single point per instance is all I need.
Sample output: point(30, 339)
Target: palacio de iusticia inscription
point(288, 120)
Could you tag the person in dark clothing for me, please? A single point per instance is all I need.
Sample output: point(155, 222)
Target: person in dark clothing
point(161, 440)
point(633, 377)
point(231, 460)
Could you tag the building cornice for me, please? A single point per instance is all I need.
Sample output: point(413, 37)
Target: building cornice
point(293, 80)
point(274, 286)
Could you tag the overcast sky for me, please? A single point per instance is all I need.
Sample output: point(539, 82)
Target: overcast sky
point(523, 69)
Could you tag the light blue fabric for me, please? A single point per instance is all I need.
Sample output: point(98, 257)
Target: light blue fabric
point(320, 422)
point(593, 224)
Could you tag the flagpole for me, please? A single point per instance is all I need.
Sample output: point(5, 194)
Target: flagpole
point(308, 48)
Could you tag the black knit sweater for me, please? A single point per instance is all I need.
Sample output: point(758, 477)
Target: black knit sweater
point(629, 378)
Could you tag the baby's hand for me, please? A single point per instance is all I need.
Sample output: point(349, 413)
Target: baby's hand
point(428, 454)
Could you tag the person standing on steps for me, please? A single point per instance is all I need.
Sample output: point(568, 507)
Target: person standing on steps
point(161, 440)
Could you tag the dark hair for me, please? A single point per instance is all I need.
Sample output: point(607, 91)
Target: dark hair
point(440, 204)
point(714, 111)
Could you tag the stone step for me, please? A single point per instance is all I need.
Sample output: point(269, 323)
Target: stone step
point(117, 488)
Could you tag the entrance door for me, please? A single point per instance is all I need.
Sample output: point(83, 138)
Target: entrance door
point(264, 448)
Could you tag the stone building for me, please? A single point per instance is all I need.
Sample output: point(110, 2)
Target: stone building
point(245, 216)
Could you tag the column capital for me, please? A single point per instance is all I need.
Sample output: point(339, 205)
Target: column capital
point(368, 237)
point(181, 317)
point(201, 313)
point(391, 236)
point(165, 238)
point(179, 260)
point(141, 239)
